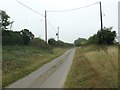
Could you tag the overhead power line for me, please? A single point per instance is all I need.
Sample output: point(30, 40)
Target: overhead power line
point(56, 11)
point(74, 8)
point(41, 15)
point(52, 26)
point(30, 8)
point(37, 13)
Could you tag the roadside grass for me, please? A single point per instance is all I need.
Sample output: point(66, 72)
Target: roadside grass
point(94, 68)
point(19, 61)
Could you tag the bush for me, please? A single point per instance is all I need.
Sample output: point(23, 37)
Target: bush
point(37, 42)
point(27, 36)
point(11, 38)
point(77, 42)
point(93, 39)
point(104, 37)
point(59, 43)
point(16, 37)
point(52, 41)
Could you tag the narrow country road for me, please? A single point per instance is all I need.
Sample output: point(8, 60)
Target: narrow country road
point(50, 75)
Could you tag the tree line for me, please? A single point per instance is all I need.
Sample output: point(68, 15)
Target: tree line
point(103, 37)
point(22, 37)
point(59, 43)
point(25, 36)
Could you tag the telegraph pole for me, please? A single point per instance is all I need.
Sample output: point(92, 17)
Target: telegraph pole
point(58, 33)
point(11, 25)
point(101, 21)
point(46, 26)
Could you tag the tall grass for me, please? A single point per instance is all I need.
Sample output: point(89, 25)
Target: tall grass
point(94, 68)
point(106, 65)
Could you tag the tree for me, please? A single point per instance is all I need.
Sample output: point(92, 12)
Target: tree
point(52, 41)
point(77, 42)
point(38, 42)
point(60, 43)
point(27, 35)
point(4, 19)
point(93, 39)
point(106, 36)
point(11, 38)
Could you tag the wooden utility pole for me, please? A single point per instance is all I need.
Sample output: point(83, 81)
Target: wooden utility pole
point(45, 26)
point(11, 25)
point(101, 21)
point(58, 33)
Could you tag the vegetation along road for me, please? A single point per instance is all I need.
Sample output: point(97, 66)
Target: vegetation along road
point(51, 75)
point(20, 61)
point(30, 62)
point(93, 67)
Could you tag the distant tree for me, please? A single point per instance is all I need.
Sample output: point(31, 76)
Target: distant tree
point(27, 36)
point(83, 39)
point(51, 41)
point(4, 19)
point(93, 39)
point(60, 43)
point(77, 42)
point(38, 42)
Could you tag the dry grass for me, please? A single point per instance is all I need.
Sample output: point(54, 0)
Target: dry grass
point(94, 69)
point(106, 65)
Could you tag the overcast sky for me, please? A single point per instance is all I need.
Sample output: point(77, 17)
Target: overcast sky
point(74, 24)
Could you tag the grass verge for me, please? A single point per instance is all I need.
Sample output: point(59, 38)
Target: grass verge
point(94, 68)
point(19, 61)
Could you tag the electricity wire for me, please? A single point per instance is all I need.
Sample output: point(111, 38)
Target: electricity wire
point(30, 8)
point(52, 26)
point(73, 9)
point(55, 11)
point(37, 13)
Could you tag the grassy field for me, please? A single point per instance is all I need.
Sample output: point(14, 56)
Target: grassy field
point(19, 61)
point(94, 68)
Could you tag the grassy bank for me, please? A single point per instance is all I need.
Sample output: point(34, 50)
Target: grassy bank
point(19, 61)
point(94, 68)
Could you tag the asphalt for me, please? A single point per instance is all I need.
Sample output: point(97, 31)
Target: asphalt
point(50, 75)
